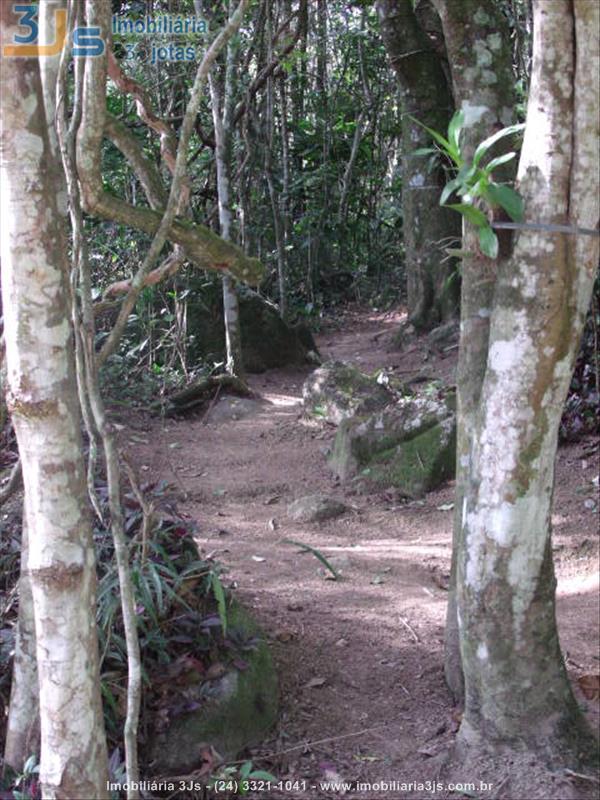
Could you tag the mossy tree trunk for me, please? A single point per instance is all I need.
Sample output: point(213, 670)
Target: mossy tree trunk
point(432, 280)
point(516, 687)
point(477, 38)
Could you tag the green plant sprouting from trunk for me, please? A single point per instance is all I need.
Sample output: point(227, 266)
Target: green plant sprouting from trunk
point(474, 182)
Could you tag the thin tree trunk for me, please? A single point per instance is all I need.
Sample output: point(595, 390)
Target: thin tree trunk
point(347, 177)
point(320, 243)
point(278, 228)
point(43, 404)
point(270, 145)
point(23, 724)
point(94, 414)
point(284, 197)
point(222, 125)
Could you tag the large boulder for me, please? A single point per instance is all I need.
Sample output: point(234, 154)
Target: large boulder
point(229, 711)
point(337, 391)
point(267, 341)
point(409, 445)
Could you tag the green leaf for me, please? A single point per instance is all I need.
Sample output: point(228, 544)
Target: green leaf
point(449, 189)
point(488, 241)
point(491, 140)
point(109, 697)
point(219, 593)
point(245, 770)
point(424, 151)
point(454, 129)
point(497, 162)
point(448, 148)
point(467, 173)
point(474, 215)
point(261, 775)
point(158, 588)
point(308, 549)
point(479, 188)
point(508, 199)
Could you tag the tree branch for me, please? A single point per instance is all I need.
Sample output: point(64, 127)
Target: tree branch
point(145, 171)
point(202, 246)
point(265, 73)
point(167, 226)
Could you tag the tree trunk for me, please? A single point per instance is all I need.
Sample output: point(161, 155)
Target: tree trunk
point(23, 724)
point(478, 46)
point(516, 686)
point(43, 404)
point(432, 281)
point(222, 124)
point(269, 125)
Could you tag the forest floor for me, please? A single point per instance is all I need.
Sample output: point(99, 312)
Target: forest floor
point(360, 660)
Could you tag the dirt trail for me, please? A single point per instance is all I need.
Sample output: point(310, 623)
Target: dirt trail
point(360, 660)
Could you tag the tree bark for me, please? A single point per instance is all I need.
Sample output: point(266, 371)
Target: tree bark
point(23, 724)
point(269, 127)
point(516, 687)
point(432, 281)
point(477, 38)
point(43, 404)
point(222, 125)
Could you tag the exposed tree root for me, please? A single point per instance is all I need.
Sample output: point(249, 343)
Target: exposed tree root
point(200, 391)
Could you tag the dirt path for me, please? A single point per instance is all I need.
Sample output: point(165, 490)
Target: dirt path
point(360, 660)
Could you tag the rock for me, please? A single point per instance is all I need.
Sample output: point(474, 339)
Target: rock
point(267, 341)
point(338, 391)
point(315, 508)
point(409, 445)
point(230, 409)
point(235, 711)
point(306, 336)
point(444, 334)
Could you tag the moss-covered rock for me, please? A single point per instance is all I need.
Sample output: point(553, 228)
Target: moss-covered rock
point(410, 445)
point(337, 391)
point(267, 341)
point(417, 465)
point(233, 711)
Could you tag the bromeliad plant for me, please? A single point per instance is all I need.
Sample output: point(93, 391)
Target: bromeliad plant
point(473, 182)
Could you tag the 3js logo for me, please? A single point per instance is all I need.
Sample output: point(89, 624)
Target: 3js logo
point(86, 40)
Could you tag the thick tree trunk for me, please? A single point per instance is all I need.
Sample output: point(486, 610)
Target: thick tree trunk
point(516, 687)
point(43, 404)
point(432, 282)
point(477, 38)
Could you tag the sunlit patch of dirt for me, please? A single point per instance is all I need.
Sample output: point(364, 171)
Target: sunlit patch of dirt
point(362, 690)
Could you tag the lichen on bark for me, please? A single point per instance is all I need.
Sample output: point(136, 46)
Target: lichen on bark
point(516, 689)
